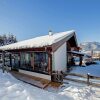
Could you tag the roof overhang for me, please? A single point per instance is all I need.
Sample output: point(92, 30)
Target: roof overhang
point(56, 45)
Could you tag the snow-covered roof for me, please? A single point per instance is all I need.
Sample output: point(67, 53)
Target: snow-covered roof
point(80, 53)
point(38, 41)
point(76, 52)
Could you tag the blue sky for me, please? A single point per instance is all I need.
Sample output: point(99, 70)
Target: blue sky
point(30, 18)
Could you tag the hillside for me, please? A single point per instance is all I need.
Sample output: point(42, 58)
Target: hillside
point(89, 46)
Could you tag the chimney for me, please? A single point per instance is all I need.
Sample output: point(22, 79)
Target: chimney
point(50, 33)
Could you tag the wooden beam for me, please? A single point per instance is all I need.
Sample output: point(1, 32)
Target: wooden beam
point(49, 63)
point(10, 57)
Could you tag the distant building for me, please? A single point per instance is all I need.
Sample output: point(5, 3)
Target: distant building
point(96, 55)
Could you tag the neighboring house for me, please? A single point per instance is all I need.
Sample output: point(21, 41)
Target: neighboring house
point(96, 55)
point(41, 56)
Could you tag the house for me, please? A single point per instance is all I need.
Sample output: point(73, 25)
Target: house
point(41, 56)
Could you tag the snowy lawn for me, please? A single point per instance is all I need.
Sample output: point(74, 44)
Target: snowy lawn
point(92, 69)
point(13, 89)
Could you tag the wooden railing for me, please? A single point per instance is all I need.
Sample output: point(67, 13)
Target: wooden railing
point(85, 78)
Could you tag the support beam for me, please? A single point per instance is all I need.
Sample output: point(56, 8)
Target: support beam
point(49, 63)
point(10, 57)
point(81, 58)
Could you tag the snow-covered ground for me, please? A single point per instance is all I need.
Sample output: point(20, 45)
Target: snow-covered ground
point(13, 89)
point(93, 69)
point(80, 91)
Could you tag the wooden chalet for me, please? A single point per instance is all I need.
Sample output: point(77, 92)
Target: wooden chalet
point(41, 56)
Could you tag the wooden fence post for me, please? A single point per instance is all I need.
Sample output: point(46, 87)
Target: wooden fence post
point(88, 78)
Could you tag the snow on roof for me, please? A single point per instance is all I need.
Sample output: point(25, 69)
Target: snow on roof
point(76, 52)
point(80, 53)
point(38, 41)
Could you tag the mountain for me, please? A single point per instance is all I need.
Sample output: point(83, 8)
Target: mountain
point(89, 46)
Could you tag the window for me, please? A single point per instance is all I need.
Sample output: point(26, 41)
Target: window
point(7, 60)
point(26, 61)
point(15, 60)
point(40, 61)
point(34, 61)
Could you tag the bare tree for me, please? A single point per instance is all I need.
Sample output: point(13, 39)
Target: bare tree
point(6, 39)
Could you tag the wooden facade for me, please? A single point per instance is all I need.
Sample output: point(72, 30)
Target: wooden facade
point(15, 56)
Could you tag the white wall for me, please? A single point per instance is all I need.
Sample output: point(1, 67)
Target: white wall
point(60, 59)
point(48, 77)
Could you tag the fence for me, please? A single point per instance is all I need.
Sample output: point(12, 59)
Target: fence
point(86, 78)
